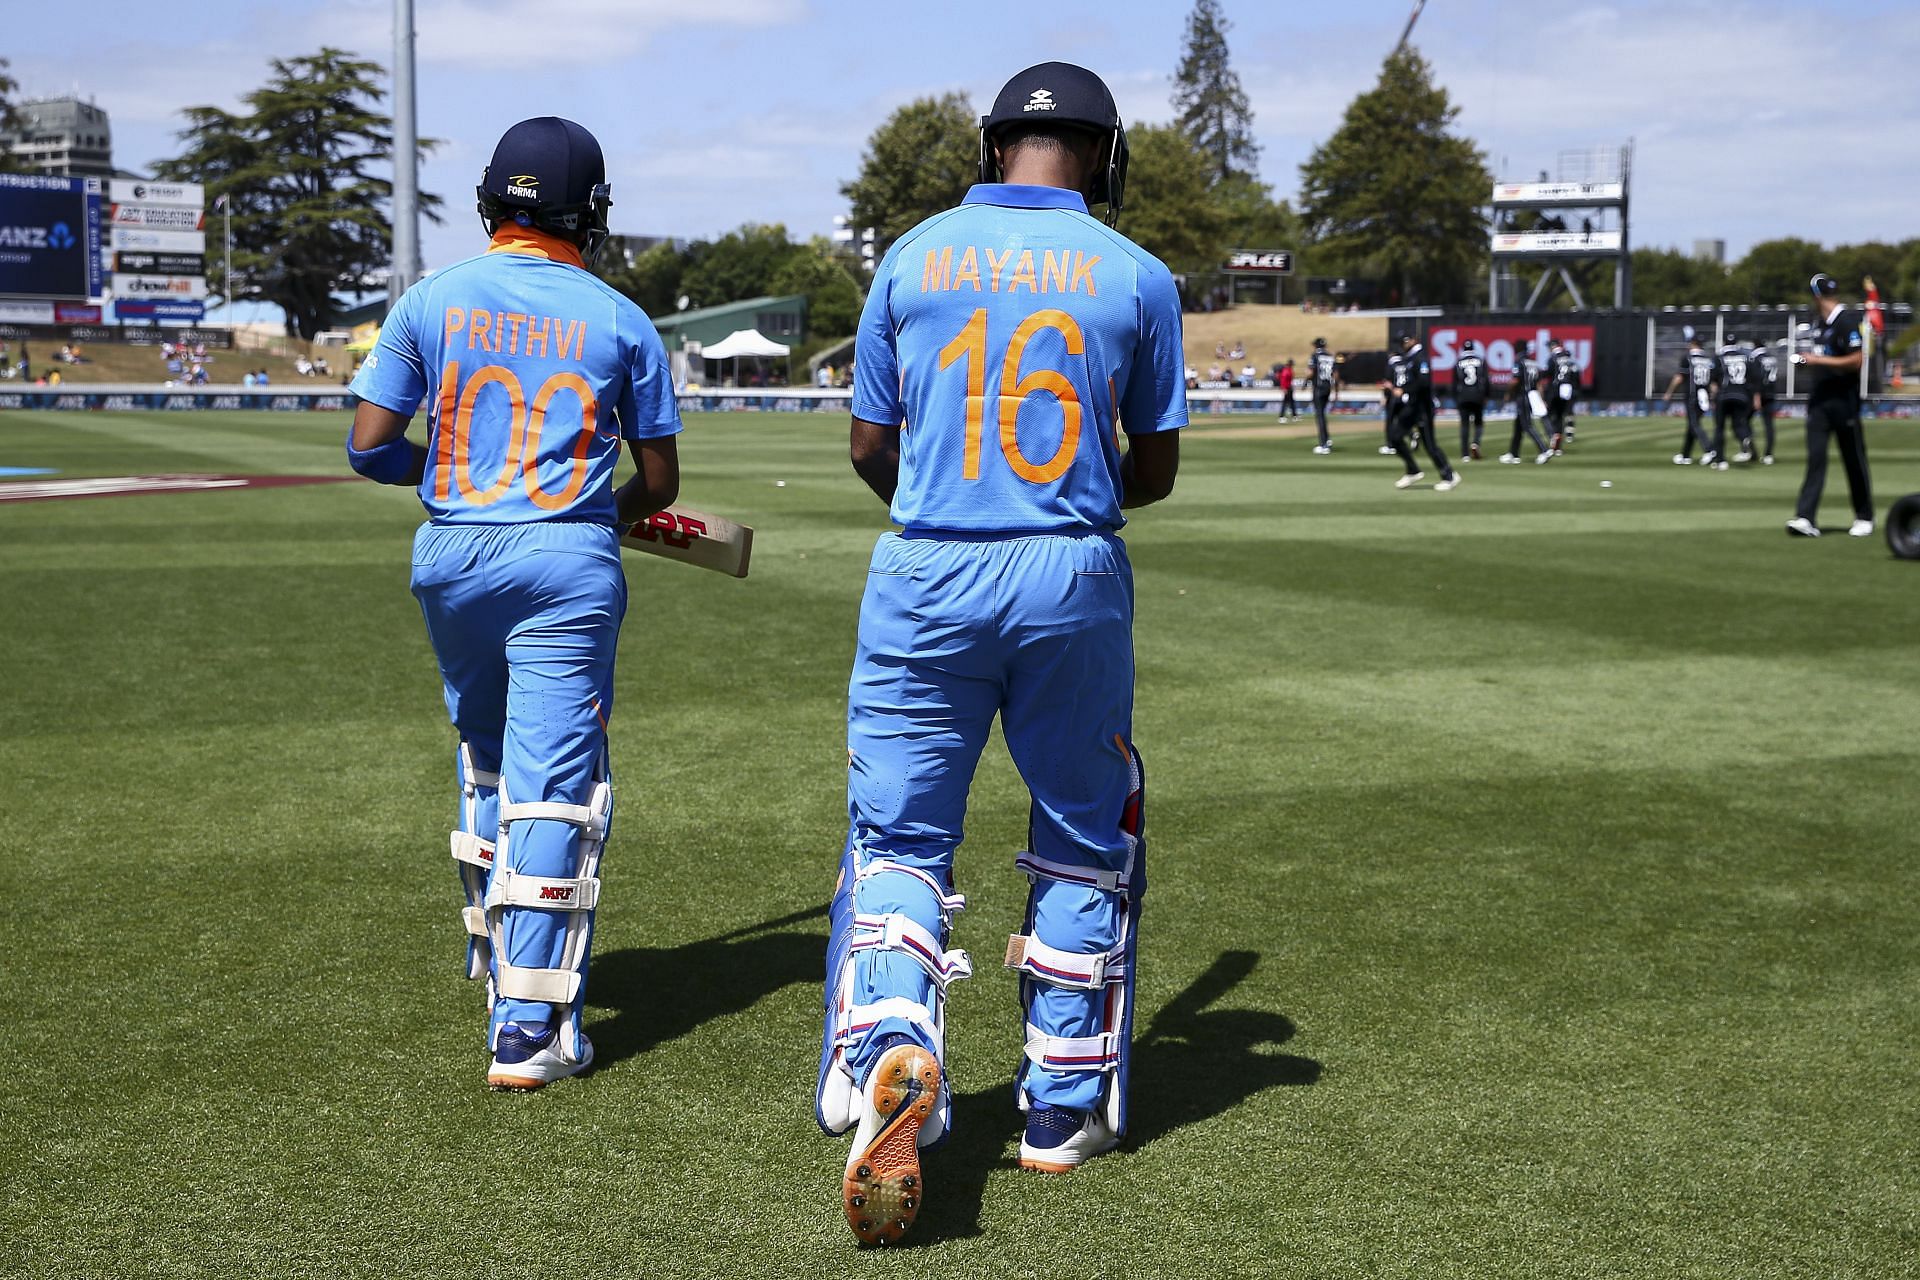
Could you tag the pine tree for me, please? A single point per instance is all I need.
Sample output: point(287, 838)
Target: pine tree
point(1208, 103)
point(1395, 194)
point(300, 169)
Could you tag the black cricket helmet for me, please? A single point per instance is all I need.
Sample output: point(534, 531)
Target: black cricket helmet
point(548, 174)
point(1824, 286)
point(1061, 94)
point(1319, 344)
point(1469, 345)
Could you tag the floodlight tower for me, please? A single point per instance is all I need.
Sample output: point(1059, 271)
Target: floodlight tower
point(406, 159)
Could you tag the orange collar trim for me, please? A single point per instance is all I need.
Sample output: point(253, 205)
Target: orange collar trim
point(535, 244)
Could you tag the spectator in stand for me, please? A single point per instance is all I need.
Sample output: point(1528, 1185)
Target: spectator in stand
point(1239, 351)
point(247, 380)
point(53, 378)
point(320, 366)
point(1216, 374)
point(26, 362)
point(1193, 378)
point(1247, 375)
point(824, 378)
point(1219, 351)
point(260, 379)
point(303, 366)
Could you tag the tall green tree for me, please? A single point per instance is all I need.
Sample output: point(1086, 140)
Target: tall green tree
point(1778, 271)
point(1671, 278)
point(1172, 210)
point(1397, 192)
point(652, 278)
point(1209, 105)
point(919, 162)
point(833, 295)
point(9, 119)
point(302, 168)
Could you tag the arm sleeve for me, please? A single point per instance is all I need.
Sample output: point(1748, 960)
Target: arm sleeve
point(876, 354)
point(648, 408)
point(394, 374)
point(1156, 394)
point(1422, 380)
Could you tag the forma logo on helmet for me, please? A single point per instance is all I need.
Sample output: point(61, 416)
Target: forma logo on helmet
point(1059, 104)
point(548, 174)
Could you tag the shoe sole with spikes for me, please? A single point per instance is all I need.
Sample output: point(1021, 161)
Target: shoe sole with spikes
point(882, 1190)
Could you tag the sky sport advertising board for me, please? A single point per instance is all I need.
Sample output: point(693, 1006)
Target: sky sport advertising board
point(1499, 343)
point(50, 237)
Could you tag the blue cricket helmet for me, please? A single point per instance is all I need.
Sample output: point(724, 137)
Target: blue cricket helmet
point(548, 174)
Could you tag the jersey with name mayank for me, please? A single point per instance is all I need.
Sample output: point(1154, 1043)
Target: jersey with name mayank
point(1012, 339)
point(532, 371)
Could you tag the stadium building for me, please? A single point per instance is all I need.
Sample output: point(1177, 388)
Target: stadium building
point(62, 137)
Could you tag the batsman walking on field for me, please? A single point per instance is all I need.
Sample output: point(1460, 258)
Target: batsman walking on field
point(533, 373)
point(1005, 346)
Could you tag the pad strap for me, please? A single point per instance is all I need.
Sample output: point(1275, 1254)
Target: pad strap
point(551, 986)
point(1038, 868)
point(472, 850)
point(949, 902)
point(475, 918)
point(1072, 1053)
point(862, 1018)
point(510, 888)
point(1065, 968)
point(896, 932)
point(470, 777)
point(588, 817)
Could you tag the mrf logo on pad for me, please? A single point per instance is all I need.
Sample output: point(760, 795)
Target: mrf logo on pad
point(556, 893)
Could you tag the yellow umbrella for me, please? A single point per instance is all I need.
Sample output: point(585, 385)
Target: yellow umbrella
point(364, 336)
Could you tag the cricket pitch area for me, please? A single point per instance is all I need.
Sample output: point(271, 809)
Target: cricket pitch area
point(1533, 872)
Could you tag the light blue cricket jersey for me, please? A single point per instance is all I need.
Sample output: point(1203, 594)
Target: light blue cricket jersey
point(532, 370)
point(1012, 339)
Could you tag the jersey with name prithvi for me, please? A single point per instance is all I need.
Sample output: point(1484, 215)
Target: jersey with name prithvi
point(532, 371)
point(1012, 339)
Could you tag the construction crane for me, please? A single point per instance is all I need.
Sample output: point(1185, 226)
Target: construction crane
point(1412, 18)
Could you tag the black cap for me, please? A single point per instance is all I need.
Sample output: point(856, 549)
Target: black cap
point(1061, 94)
point(548, 173)
point(1732, 339)
point(1469, 345)
point(1824, 286)
point(1319, 344)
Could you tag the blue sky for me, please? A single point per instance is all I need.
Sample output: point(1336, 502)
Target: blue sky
point(1753, 118)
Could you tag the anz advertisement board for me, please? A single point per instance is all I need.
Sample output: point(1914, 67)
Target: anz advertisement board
point(50, 233)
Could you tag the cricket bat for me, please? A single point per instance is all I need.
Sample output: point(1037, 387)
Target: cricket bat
point(695, 538)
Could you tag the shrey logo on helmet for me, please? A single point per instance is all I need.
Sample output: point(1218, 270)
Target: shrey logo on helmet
point(1042, 100)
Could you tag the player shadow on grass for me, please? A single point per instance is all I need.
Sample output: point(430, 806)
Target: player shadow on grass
point(657, 994)
point(1189, 1064)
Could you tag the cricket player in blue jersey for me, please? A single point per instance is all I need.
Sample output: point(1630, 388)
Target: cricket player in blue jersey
point(532, 372)
point(1005, 347)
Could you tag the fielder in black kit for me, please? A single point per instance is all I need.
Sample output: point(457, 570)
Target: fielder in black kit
point(1767, 383)
point(1833, 411)
point(1323, 371)
point(1697, 372)
point(1736, 398)
point(1410, 410)
point(1525, 374)
point(1562, 378)
point(1470, 394)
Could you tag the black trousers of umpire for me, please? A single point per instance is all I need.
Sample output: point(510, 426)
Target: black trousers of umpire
point(1738, 412)
point(1523, 425)
point(1838, 418)
point(1288, 407)
point(1401, 424)
point(1320, 397)
point(1473, 422)
point(1767, 404)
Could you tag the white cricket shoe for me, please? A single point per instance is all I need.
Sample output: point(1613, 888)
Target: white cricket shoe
point(1323, 449)
point(1743, 456)
point(1767, 461)
point(1510, 459)
point(1720, 465)
point(525, 1060)
point(882, 1189)
point(1450, 482)
point(1860, 529)
point(1408, 481)
point(1544, 458)
point(1708, 458)
point(1386, 450)
point(1058, 1141)
point(1682, 460)
point(1801, 527)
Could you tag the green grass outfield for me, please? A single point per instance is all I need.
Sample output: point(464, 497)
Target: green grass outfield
point(1534, 886)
